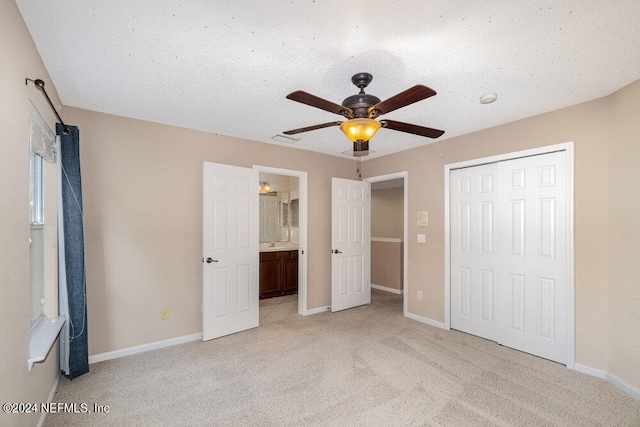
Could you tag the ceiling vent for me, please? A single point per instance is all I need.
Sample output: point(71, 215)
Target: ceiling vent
point(286, 139)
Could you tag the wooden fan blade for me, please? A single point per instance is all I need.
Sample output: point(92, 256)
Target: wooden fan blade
point(323, 104)
point(314, 127)
point(409, 96)
point(414, 129)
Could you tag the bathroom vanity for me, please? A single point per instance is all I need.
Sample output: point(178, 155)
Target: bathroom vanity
point(278, 270)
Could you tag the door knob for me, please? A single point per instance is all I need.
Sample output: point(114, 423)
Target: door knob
point(337, 251)
point(210, 260)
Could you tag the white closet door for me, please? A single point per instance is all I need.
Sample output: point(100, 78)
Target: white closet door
point(509, 253)
point(533, 242)
point(474, 258)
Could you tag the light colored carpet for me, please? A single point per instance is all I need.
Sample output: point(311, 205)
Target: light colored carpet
point(364, 366)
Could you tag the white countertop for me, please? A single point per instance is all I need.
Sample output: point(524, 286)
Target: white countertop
point(279, 246)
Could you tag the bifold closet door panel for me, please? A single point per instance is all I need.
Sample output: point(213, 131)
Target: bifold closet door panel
point(474, 257)
point(533, 242)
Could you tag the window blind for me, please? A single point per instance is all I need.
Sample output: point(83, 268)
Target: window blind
point(41, 137)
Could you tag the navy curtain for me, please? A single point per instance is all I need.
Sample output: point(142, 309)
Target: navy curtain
point(74, 346)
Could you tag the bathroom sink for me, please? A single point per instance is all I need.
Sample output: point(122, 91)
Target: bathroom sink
point(278, 246)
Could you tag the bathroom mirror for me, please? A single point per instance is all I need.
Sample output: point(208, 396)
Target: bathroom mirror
point(275, 217)
point(279, 208)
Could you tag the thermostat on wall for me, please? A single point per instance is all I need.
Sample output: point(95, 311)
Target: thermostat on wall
point(423, 219)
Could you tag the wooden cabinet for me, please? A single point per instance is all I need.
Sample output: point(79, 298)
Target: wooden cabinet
point(278, 273)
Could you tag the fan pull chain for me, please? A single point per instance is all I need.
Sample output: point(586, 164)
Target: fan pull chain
point(358, 167)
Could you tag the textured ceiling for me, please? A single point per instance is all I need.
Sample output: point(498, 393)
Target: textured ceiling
point(226, 67)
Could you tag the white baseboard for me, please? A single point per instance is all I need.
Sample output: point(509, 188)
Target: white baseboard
point(318, 310)
point(387, 289)
point(598, 373)
point(425, 320)
point(144, 347)
point(54, 388)
point(624, 386)
point(604, 375)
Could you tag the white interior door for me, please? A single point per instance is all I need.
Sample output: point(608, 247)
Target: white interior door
point(509, 253)
point(230, 250)
point(350, 243)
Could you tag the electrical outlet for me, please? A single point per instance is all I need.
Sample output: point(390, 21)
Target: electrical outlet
point(420, 295)
point(164, 313)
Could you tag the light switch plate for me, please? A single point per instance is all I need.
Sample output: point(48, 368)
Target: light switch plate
point(422, 238)
point(423, 219)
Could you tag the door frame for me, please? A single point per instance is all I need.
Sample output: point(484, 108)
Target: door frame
point(405, 232)
point(569, 148)
point(302, 218)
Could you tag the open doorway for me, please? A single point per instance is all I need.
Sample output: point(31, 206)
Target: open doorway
point(282, 237)
point(389, 236)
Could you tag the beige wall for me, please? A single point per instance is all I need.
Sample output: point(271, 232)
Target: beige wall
point(386, 264)
point(387, 213)
point(20, 59)
point(142, 195)
point(607, 235)
point(624, 234)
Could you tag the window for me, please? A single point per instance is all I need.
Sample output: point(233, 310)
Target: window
point(36, 238)
point(44, 322)
point(41, 150)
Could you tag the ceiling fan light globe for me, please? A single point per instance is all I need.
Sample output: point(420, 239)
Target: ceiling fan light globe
point(360, 129)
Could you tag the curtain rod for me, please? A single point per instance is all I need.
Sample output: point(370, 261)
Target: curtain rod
point(40, 85)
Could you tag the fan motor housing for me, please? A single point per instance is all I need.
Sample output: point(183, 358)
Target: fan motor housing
point(360, 104)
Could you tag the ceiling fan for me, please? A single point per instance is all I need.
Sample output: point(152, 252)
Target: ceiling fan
point(362, 109)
